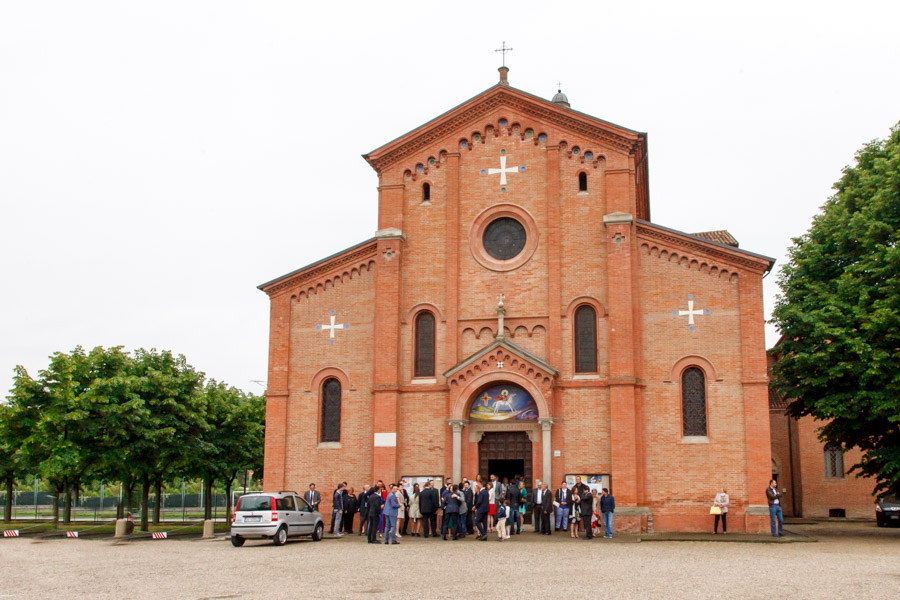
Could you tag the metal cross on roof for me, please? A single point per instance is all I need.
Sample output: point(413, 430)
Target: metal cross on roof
point(503, 49)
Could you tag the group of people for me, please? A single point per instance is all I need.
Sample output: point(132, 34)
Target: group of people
point(468, 508)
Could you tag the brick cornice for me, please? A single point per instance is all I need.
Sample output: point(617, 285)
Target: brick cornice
point(475, 109)
point(670, 239)
point(321, 269)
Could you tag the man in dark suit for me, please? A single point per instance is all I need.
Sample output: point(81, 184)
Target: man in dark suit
point(446, 491)
point(587, 506)
point(482, 507)
point(546, 509)
point(374, 514)
point(515, 518)
point(363, 508)
point(536, 498)
point(312, 497)
point(428, 503)
point(469, 497)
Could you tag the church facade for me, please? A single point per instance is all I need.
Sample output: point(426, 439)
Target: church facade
point(518, 312)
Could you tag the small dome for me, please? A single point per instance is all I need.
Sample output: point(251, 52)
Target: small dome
point(560, 98)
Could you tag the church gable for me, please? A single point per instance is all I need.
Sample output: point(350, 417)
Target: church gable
point(504, 112)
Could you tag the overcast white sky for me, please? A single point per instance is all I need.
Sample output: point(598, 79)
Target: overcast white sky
point(158, 160)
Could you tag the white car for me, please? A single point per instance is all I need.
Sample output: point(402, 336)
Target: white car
point(278, 516)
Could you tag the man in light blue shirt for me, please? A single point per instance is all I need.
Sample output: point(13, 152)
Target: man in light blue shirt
point(391, 507)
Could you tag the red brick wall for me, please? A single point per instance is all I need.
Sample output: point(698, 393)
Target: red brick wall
point(820, 493)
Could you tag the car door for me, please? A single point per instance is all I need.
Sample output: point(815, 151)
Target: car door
point(306, 517)
point(287, 510)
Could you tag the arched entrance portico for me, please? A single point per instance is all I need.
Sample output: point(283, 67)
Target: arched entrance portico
point(504, 401)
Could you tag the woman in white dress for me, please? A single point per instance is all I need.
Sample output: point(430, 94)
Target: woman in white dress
point(401, 512)
point(492, 505)
point(722, 502)
point(414, 513)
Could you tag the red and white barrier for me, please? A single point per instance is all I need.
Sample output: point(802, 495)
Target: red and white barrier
point(11, 533)
point(72, 534)
point(160, 535)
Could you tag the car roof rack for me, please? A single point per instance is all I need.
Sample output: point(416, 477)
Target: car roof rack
point(287, 492)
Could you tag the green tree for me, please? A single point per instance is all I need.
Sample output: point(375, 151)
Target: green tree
point(839, 312)
point(12, 461)
point(173, 430)
point(69, 417)
point(234, 441)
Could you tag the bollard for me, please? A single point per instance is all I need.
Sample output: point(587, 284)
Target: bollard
point(122, 528)
point(209, 529)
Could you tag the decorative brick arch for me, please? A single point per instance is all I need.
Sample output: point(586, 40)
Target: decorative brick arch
point(316, 382)
point(468, 393)
point(692, 360)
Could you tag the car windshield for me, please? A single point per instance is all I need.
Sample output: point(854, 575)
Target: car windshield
point(248, 503)
point(890, 500)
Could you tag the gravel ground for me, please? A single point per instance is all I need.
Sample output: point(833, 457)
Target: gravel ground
point(848, 561)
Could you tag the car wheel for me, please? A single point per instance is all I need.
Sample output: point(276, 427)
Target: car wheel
point(880, 523)
point(237, 541)
point(280, 536)
point(319, 532)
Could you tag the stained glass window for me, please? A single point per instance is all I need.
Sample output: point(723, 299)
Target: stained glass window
point(424, 345)
point(693, 401)
point(585, 340)
point(834, 461)
point(331, 410)
point(504, 238)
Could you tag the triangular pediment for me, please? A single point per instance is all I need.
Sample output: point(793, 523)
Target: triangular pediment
point(524, 356)
point(472, 112)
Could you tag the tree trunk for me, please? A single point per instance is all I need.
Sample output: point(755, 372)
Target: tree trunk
point(228, 485)
point(157, 492)
point(145, 502)
point(67, 509)
point(55, 518)
point(129, 495)
point(208, 496)
point(7, 510)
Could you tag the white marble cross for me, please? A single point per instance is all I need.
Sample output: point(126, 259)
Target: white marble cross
point(503, 170)
point(690, 312)
point(332, 327)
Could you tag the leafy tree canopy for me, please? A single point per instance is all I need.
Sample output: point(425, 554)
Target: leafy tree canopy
point(839, 312)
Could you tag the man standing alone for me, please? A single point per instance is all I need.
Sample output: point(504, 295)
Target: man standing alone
point(312, 497)
point(776, 515)
point(607, 507)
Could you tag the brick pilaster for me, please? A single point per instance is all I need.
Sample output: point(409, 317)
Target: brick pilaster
point(453, 352)
point(755, 384)
point(620, 241)
point(277, 392)
point(387, 352)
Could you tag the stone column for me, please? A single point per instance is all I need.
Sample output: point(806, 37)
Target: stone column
point(547, 449)
point(457, 426)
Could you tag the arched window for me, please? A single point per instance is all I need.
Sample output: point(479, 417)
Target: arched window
point(585, 339)
point(331, 410)
point(834, 461)
point(424, 354)
point(693, 402)
point(426, 192)
point(582, 182)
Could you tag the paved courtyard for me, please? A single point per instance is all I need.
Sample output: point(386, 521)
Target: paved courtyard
point(826, 561)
